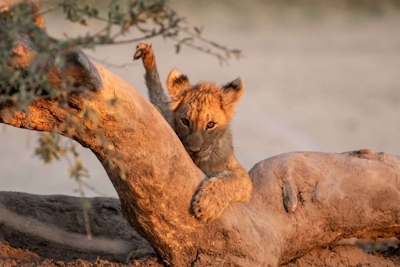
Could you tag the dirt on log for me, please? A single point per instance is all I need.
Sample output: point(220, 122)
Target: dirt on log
point(300, 202)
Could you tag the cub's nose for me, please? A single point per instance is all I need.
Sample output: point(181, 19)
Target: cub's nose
point(194, 149)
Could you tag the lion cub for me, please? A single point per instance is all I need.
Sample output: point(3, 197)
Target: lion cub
point(200, 115)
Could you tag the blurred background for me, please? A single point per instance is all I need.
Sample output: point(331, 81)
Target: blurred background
point(320, 75)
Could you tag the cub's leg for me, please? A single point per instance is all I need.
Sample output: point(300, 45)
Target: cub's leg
point(156, 92)
point(217, 192)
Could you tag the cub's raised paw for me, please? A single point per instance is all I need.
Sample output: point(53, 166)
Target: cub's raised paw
point(209, 201)
point(142, 49)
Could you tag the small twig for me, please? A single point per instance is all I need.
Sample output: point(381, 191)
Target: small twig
point(198, 36)
point(221, 58)
point(108, 64)
point(116, 35)
point(82, 194)
point(90, 187)
point(134, 40)
point(148, 36)
point(50, 9)
point(68, 160)
point(85, 212)
point(201, 38)
point(99, 32)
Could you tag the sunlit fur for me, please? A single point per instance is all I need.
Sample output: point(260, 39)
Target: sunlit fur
point(192, 109)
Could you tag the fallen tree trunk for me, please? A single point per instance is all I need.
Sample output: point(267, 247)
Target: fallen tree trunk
point(299, 201)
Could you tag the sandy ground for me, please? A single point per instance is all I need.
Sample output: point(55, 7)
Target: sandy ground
point(325, 80)
point(33, 233)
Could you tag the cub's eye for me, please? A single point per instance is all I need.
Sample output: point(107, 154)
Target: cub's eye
point(210, 125)
point(185, 121)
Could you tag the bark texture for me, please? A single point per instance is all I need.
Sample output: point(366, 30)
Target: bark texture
point(300, 201)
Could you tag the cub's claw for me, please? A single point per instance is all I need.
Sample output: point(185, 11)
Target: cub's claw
point(208, 202)
point(142, 49)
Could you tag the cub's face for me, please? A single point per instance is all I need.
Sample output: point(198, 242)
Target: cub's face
point(202, 112)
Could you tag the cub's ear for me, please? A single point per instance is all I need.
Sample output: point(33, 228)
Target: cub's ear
point(177, 83)
point(231, 92)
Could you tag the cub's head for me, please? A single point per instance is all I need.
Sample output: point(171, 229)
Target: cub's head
point(202, 112)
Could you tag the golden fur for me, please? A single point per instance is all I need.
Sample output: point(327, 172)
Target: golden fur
point(200, 115)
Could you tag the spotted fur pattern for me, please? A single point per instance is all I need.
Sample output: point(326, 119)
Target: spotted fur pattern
point(200, 115)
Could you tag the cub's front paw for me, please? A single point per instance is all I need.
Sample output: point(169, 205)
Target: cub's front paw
point(209, 201)
point(142, 49)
